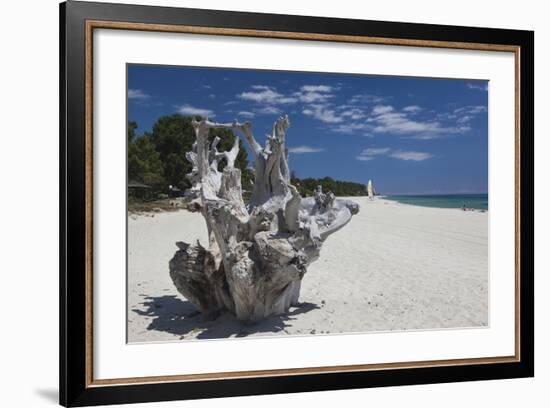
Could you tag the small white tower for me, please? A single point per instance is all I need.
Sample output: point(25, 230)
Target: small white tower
point(370, 190)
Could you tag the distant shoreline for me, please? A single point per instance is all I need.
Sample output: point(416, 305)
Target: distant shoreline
point(425, 201)
point(477, 202)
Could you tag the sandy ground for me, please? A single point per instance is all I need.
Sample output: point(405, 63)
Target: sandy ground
point(393, 267)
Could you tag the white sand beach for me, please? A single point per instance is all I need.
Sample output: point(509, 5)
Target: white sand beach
point(393, 267)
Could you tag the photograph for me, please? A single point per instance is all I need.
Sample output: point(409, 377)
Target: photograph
point(284, 201)
point(288, 203)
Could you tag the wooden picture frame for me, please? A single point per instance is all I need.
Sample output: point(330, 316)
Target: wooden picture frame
point(78, 20)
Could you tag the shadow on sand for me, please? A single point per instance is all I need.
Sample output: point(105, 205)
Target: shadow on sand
point(179, 317)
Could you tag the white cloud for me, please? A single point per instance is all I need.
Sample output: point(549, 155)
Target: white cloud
point(386, 120)
point(471, 110)
point(400, 124)
point(412, 109)
point(246, 114)
point(372, 152)
point(464, 119)
point(353, 117)
point(366, 98)
point(268, 110)
point(137, 94)
point(462, 116)
point(478, 87)
point(260, 87)
point(328, 113)
point(314, 93)
point(352, 113)
point(381, 109)
point(350, 128)
point(305, 149)
point(265, 94)
point(191, 110)
point(409, 155)
point(316, 88)
point(311, 97)
point(322, 113)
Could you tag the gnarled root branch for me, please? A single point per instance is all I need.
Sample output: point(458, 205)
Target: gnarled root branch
point(258, 253)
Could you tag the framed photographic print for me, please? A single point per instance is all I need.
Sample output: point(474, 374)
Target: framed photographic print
point(255, 203)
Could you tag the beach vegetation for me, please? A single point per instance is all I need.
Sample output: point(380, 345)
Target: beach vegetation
point(157, 160)
point(306, 187)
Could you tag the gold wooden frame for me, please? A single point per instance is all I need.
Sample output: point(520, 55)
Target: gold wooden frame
point(99, 24)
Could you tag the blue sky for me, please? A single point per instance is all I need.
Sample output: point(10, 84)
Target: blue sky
point(409, 135)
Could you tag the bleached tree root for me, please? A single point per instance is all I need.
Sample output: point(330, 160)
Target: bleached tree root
point(258, 253)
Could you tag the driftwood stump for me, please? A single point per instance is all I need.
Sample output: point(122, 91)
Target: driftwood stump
point(258, 252)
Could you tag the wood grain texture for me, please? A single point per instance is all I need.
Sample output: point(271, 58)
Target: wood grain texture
point(118, 25)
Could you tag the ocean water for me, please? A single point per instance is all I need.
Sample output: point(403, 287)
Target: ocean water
point(476, 201)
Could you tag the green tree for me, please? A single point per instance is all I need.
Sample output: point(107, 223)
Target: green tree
point(144, 163)
point(307, 186)
point(132, 126)
point(173, 136)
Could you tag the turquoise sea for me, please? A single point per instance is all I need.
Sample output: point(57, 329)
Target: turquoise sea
point(477, 201)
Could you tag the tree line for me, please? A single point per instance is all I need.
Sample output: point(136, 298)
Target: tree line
point(157, 159)
point(307, 186)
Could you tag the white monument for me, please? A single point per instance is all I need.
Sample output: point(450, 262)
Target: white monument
point(370, 190)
